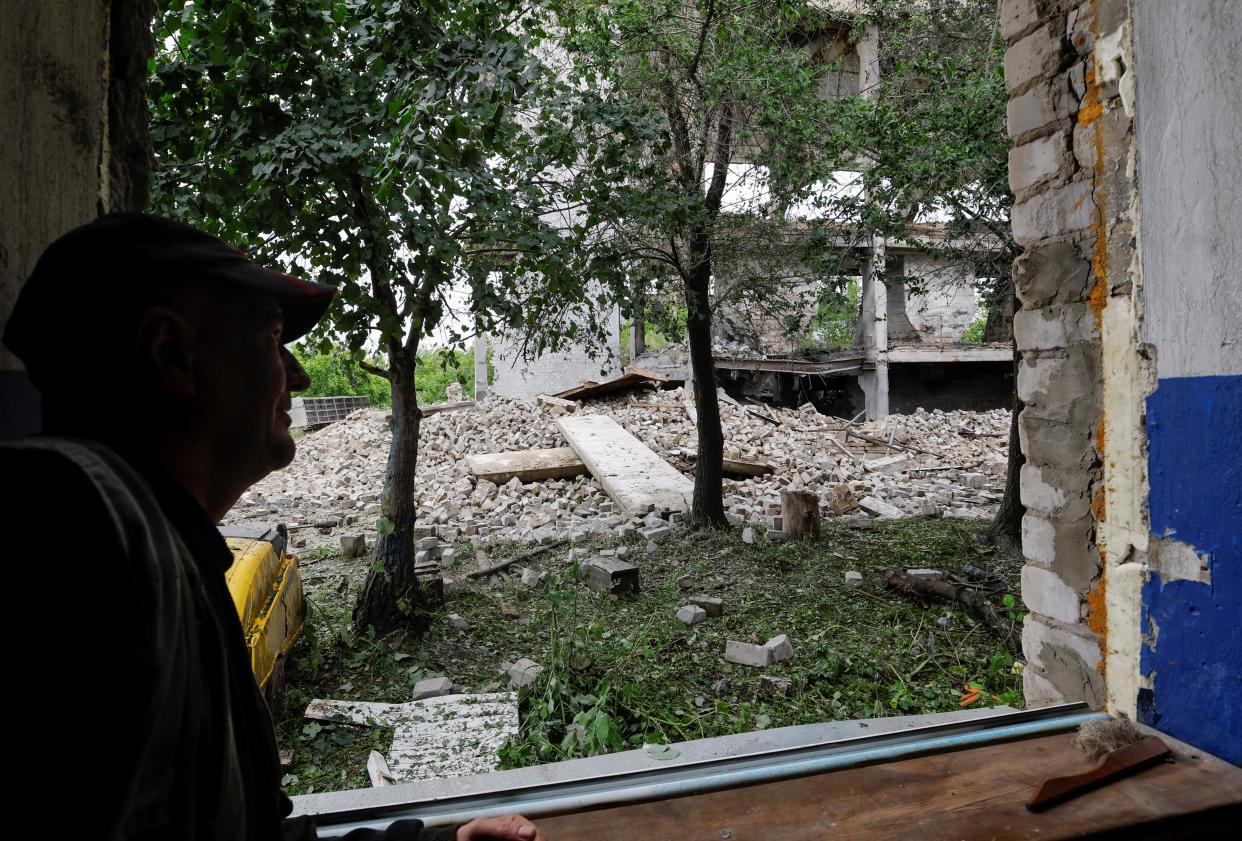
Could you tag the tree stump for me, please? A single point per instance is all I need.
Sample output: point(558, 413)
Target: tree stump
point(799, 515)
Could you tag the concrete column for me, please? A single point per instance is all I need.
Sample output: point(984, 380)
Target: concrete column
point(480, 366)
point(874, 333)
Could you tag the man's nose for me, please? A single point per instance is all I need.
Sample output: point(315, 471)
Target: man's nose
point(296, 378)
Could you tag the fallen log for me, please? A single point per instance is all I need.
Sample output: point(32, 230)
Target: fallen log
point(508, 562)
point(972, 599)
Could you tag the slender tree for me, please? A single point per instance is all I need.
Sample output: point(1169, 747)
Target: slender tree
point(414, 153)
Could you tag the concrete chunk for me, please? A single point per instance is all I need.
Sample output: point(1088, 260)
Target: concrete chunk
point(524, 672)
point(612, 575)
point(353, 545)
point(432, 687)
point(928, 574)
point(779, 649)
point(779, 685)
point(854, 578)
point(747, 654)
point(711, 604)
point(878, 507)
point(692, 614)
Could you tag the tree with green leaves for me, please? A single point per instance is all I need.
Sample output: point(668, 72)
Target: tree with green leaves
point(729, 86)
point(415, 153)
point(932, 146)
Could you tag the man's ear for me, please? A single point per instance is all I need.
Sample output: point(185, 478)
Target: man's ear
point(166, 351)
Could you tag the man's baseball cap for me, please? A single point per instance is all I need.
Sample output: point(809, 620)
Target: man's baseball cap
point(107, 266)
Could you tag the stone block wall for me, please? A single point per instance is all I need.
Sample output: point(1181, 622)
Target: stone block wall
point(1071, 172)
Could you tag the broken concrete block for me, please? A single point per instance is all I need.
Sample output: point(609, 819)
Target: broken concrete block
point(459, 622)
point(748, 535)
point(747, 654)
point(711, 604)
point(692, 614)
point(657, 535)
point(878, 507)
point(533, 578)
point(611, 575)
point(426, 544)
point(686, 582)
point(927, 574)
point(449, 558)
point(854, 578)
point(779, 685)
point(841, 500)
point(432, 687)
point(779, 648)
point(524, 672)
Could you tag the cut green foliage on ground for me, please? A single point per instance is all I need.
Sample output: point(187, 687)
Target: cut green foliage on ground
point(621, 672)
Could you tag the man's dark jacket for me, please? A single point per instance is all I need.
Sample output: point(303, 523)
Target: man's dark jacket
point(150, 708)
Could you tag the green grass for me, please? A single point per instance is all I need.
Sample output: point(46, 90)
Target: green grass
point(626, 672)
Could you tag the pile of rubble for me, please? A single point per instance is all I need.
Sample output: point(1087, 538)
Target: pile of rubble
point(924, 464)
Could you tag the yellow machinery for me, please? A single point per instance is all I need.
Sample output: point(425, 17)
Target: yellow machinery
point(266, 586)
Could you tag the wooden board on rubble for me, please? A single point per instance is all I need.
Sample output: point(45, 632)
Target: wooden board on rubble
point(635, 477)
point(974, 793)
point(526, 465)
point(633, 378)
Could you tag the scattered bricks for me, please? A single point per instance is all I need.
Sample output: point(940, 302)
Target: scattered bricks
point(353, 546)
point(327, 524)
point(1056, 211)
point(841, 500)
point(533, 578)
point(459, 622)
point(861, 522)
point(625, 531)
point(421, 558)
point(712, 605)
point(879, 507)
point(449, 558)
point(427, 544)
point(776, 685)
point(524, 672)
point(508, 611)
point(677, 518)
point(612, 575)
point(424, 531)
point(779, 649)
point(691, 614)
point(854, 578)
point(747, 654)
point(654, 521)
point(686, 582)
point(432, 687)
point(748, 535)
point(657, 535)
point(926, 574)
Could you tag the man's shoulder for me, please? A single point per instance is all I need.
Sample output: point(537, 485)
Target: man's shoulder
point(64, 472)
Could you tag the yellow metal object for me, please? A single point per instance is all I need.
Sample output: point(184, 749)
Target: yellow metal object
point(267, 592)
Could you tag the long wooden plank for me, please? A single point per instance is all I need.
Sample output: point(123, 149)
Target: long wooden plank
point(526, 465)
point(635, 477)
point(976, 793)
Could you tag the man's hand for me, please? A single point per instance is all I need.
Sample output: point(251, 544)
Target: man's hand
point(507, 828)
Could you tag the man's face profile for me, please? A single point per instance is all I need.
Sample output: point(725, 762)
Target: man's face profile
point(245, 391)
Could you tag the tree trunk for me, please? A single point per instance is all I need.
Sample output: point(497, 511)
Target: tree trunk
point(707, 509)
point(1006, 528)
point(391, 598)
point(999, 326)
point(800, 515)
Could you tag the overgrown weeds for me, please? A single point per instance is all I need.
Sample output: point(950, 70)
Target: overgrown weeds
point(624, 672)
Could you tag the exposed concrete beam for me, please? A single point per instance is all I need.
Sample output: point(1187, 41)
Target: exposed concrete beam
point(949, 354)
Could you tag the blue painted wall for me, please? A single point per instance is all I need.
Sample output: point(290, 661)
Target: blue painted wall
point(1194, 431)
